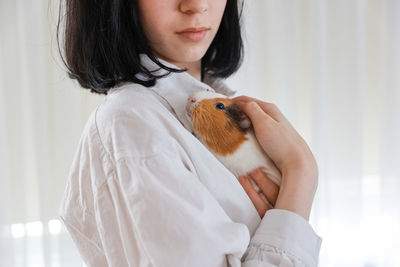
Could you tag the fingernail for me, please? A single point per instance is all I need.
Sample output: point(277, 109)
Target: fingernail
point(245, 124)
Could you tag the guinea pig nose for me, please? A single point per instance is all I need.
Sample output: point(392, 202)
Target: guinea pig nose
point(192, 99)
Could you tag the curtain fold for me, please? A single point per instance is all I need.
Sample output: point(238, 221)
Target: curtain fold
point(42, 114)
point(332, 67)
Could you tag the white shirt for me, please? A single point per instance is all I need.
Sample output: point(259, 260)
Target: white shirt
point(143, 191)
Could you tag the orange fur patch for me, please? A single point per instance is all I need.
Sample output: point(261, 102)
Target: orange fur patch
point(215, 128)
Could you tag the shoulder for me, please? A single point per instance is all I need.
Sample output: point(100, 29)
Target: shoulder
point(132, 98)
point(134, 121)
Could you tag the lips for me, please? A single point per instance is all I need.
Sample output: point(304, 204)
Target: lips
point(194, 34)
point(199, 29)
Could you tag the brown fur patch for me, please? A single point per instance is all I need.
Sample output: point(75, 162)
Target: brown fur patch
point(217, 128)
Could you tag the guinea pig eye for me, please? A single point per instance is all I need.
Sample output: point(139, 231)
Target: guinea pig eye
point(220, 105)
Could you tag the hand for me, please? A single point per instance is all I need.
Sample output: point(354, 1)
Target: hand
point(268, 188)
point(288, 150)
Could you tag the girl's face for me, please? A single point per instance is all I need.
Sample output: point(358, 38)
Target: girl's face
point(180, 31)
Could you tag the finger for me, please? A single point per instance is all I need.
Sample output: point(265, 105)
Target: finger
point(266, 106)
point(267, 186)
point(255, 113)
point(269, 108)
point(258, 202)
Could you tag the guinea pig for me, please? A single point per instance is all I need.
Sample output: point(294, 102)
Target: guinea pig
point(226, 131)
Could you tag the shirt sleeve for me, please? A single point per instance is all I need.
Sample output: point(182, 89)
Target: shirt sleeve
point(166, 217)
point(283, 238)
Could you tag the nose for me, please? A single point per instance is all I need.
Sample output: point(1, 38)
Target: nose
point(189, 105)
point(193, 6)
point(192, 99)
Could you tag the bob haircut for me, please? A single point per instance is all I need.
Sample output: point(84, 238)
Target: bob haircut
point(103, 40)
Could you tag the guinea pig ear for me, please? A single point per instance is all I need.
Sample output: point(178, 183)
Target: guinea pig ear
point(239, 116)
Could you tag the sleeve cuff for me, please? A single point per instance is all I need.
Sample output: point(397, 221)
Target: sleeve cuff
point(289, 232)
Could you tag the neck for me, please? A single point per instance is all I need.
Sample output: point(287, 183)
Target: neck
point(193, 68)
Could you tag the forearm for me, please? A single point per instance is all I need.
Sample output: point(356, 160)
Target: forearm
point(297, 192)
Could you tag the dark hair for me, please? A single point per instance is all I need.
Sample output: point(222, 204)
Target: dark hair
point(103, 40)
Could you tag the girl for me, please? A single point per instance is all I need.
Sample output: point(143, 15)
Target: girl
point(142, 190)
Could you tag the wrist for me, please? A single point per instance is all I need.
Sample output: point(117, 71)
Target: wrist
point(297, 193)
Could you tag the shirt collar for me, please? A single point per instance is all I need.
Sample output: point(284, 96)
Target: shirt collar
point(176, 87)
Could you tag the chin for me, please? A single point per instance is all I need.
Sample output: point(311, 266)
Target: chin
point(191, 54)
point(183, 54)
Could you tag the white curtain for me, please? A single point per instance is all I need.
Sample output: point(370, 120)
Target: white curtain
point(333, 68)
point(42, 114)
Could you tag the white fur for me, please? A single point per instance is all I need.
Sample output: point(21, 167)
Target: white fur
point(200, 95)
point(249, 157)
